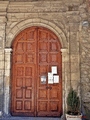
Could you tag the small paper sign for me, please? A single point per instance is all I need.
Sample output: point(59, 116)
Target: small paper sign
point(54, 69)
point(56, 78)
point(50, 78)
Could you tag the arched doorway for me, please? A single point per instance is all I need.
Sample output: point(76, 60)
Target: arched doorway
point(36, 51)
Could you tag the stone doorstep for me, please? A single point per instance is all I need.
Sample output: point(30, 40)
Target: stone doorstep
point(29, 118)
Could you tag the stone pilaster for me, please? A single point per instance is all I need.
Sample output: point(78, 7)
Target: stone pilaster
point(3, 7)
point(74, 47)
point(1, 80)
point(7, 80)
point(65, 77)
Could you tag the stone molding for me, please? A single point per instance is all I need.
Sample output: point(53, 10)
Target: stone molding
point(64, 50)
point(7, 61)
point(8, 50)
point(36, 22)
point(3, 7)
point(3, 19)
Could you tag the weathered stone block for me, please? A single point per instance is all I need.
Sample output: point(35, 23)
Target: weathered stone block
point(75, 76)
point(75, 85)
point(1, 64)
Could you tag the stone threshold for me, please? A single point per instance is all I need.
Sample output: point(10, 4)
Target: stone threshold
point(29, 118)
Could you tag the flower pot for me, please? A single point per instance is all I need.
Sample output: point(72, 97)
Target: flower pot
point(73, 117)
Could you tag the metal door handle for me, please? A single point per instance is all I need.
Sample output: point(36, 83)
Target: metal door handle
point(48, 87)
point(24, 87)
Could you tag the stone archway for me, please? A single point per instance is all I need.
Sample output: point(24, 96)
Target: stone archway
point(65, 56)
point(36, 22)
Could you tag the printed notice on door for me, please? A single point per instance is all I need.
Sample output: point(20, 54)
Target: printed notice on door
point(56, 78)
point(50, 78)
point(54, 69)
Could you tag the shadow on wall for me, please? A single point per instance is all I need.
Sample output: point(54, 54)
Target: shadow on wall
point(86, 113)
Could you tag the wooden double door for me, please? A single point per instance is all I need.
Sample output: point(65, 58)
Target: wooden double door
point(35, 51)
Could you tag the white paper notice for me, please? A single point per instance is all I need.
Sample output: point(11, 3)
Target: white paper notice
point(56, 78)
point(50, 78)
point(54, 69)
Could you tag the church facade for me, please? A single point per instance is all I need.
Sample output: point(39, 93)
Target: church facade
point(44, 51)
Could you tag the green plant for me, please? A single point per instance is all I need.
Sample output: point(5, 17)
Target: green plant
point(73, 103)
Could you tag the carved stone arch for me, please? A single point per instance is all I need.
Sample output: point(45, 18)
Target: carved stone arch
point(36, 22)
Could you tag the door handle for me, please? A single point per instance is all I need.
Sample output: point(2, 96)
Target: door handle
point(48, 87)
point(24, 87)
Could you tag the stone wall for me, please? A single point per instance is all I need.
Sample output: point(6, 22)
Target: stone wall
point(85, 65)
point(85, 55)
point(65, 18)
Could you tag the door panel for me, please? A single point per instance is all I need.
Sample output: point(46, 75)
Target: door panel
point(49, 96)
point(23, 70)
point(35, 51)
point(24, 87)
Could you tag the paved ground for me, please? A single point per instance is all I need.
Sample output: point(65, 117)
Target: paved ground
point(29, 118)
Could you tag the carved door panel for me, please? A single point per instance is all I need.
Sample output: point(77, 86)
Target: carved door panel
point(35, 51)
point(49, 100)
point(24, 86)
point(23, 73)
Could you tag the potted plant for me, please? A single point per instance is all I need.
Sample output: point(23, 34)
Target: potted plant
point(73, 104)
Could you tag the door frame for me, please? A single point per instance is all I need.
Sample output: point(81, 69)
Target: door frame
point(58, 61)
point(7, 95)
point(8, 53)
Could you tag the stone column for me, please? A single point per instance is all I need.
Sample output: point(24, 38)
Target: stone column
point(1, 80)
point(65, 77)
point(2, 44)
point(7, 80)
point(3, 20)
point(74, 48)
